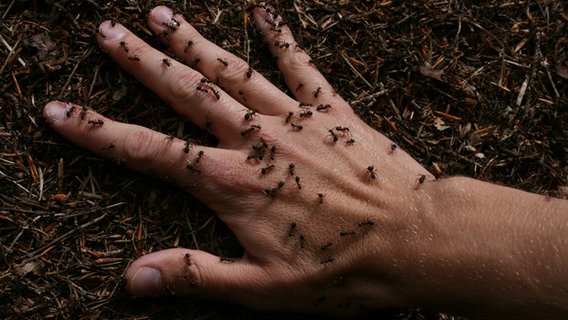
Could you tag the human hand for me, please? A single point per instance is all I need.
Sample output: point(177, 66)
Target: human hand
point(318, 237)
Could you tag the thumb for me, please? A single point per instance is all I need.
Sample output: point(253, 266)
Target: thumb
point(192, 272)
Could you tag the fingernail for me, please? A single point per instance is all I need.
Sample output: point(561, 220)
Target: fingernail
point(158, 16)
point(111, 30)
point(55, 111)
point(146, 281)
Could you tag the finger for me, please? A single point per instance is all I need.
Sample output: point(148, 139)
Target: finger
point(192, 272)
point(193, 167)
point(234, 74)
point(202, 102)
point(304, 80)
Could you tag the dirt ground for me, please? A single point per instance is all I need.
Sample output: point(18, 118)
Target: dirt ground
point(478, 89)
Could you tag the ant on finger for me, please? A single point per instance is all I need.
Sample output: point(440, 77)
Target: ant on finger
point(372, 172)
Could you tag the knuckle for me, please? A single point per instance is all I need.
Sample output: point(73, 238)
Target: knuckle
point(182, 86)
point(140, 146)
point(238, 69)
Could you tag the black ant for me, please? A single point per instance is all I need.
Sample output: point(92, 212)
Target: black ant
point(167, 62)
point(208, 124)
point(110, 146)
point(334, 136)
point(199, 156)
point(223, 61)
point(292, 169)
point(325, 246)
point(273, 191)
point(202, 89)
point(327, 260)
point(300, 85)
point(304, 104)
point(316, 92)
point(253, 127)
point(226, 259)
point(321, 196)
point(272, 152)
point(96, 122)
point(267, 169)
point(191, 166)
point(421, 180)
point(187, 46)
point(367, 222)
point(289, 116)
point(302, 240)
point(372, 171)
point(250, 114)
point(350, 142)
point(123, 45)
point(196, 60)
point(306, 114)
point(173, 25)
point(68, 111)
point(293, 226)
point(342, 129)
point(249, 72)
point(188, 258)
point(347, 233)
point(322, 108)
point(258, 156)
point(298, 182)
point(186, 147)
point(393, 147)
point(134, 58)
point(297, 126)
point(242, 94)
point(216, 93)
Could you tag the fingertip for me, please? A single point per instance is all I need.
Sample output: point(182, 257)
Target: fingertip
point(55, 112)
point(158, 16)
point(110, 30)
point(144, 281)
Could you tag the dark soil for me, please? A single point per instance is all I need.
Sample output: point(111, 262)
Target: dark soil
point(479, 90)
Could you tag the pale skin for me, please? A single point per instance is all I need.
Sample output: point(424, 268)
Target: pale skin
point(386, 236)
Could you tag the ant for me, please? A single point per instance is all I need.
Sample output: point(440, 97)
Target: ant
point(199, 156)
point(302, 240)
point(202, 89)
point(322, 108)
point(334, 136)
point(242, 94)
point(393, 147)
point(96, 122)
point(167, 62)
point(325, 246)
point(68, 111)
point(173, 25)
point(297, 126)
point(123, 45)
point(250, 114)
point(347, 233)
point(304, 104)
point(188, 258)
point(216, 93)
point(300, 85)
point(187, 46)
point(342, 129)
point(249, 72)
point(226, 259)
point(372, 171)
point(350, 142)
point(293, 226)
point(272, 152)
point(367, 222)
point(223, 61)
point(321, 196)
point(191, 166)
point(110, 146)
point(289, 116)
point(267, 169)
point(292, 169)
point(273, 191)
point(208, 124)
point(134, 58)
point(252, 128)
point(298, 182)
point(316, 92)
point(306, 114)
point(196, 60)
point(421, 180)
point(187, 147)
point(327, 260)
point(258, 156)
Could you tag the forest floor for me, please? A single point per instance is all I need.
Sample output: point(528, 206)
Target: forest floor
point(472, 88)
